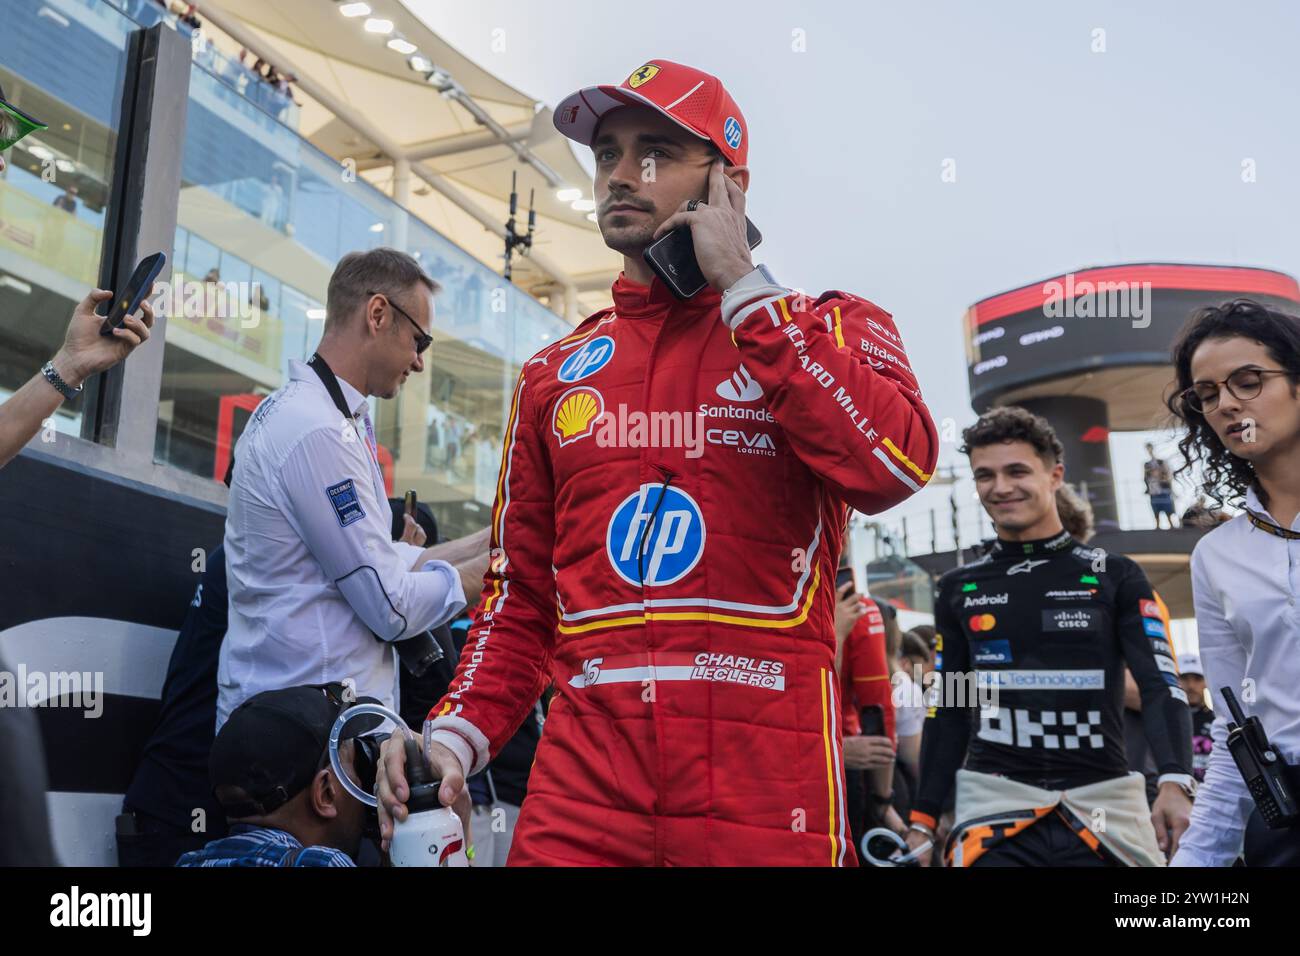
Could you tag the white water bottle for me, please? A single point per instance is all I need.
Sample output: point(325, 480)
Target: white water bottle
point(431, 834)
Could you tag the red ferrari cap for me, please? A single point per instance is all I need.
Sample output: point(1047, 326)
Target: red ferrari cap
point(694, 100)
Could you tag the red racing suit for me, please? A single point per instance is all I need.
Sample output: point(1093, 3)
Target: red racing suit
point(667, 527)
point(864, 672)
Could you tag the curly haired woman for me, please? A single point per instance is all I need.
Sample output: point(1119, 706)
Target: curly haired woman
point(1238, 395)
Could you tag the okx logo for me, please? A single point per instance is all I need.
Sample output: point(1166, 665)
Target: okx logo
point(656, 536)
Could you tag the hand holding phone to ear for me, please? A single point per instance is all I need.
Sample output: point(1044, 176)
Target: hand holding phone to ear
point(718, 230)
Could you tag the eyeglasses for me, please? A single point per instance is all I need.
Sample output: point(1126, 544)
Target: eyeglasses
point(1244, 384)
point(422, 338)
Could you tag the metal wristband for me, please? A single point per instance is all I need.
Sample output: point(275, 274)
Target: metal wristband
point(55, 379)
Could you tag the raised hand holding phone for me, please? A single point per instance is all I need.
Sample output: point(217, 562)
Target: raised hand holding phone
point(138, 288)
point(719, 230)
point(87, 350)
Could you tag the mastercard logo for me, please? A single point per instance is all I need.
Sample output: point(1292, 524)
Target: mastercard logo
point(982, 622)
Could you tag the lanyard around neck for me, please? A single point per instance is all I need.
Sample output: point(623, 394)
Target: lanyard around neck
point(1263, 524)
point(331, 383)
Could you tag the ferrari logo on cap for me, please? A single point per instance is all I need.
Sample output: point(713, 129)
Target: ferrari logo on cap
point(642, 75)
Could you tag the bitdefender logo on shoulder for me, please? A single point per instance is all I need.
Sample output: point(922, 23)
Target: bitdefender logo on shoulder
point(73, 909)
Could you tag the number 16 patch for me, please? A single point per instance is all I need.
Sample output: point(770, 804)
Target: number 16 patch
point(347, 507)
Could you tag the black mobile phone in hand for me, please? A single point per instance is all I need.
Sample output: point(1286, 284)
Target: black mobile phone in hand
point(672, 258)
point(842, 577)
point(410, 503)
point(137, 290)
point(872, 719)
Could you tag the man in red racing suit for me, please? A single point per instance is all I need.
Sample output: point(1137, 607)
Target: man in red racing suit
point(675, 482)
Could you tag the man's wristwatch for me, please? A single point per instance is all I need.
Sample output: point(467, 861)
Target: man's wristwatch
point(54, 378)
point(1184, 781)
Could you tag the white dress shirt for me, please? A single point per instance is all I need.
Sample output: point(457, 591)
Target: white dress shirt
point(312, 568)
point(1246, 586)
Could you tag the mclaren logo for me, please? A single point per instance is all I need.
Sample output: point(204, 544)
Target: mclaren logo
point(740, 387)
point(642, 75)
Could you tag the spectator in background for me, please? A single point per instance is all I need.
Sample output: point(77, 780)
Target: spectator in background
point(914, 657)
point(68, 201)
point(187, 16)
point(1075, 512)
point(1193, 681)
point(1159, 486)
point(169, 809)
point(928, 634)
point(271, 773)
point(1199, 515)
point(909, 713)
point(452, 436)
point(487, 465)
point(862, 658)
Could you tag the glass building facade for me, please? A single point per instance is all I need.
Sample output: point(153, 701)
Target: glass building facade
point(261, 217)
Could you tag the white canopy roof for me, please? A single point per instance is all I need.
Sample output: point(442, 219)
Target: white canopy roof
point(363, 100)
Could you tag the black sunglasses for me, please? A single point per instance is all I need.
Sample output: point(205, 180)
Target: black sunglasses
point(422, 338)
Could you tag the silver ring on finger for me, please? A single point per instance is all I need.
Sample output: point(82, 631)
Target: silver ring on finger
point(694, 204)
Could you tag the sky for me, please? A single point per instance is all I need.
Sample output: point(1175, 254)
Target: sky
point(1071, 147)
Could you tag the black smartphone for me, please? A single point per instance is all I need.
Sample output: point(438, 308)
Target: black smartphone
point(672, 257)
point(842, 577)
point(410, 503)
point(137, 289)
point(873, 720)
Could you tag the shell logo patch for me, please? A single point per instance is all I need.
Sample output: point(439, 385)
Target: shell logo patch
point(642, 75)
point(576, 414)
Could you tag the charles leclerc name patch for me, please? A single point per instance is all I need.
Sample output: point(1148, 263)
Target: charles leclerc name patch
point(347, 507)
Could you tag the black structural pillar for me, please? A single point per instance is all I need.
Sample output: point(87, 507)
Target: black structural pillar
point(1083, 426)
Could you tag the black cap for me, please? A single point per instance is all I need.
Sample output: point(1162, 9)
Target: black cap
point(274, 743)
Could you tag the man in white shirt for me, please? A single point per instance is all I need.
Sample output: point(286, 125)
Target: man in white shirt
point(319, 591)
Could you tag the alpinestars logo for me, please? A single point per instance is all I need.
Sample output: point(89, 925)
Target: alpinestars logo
point(1024, 567)
point(740, 387)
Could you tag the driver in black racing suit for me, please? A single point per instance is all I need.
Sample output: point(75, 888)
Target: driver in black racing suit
point(1044, 627)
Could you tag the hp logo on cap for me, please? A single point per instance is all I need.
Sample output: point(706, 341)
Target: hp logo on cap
point(732, 132)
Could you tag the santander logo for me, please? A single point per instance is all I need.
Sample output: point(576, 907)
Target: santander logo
point(740, 387)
